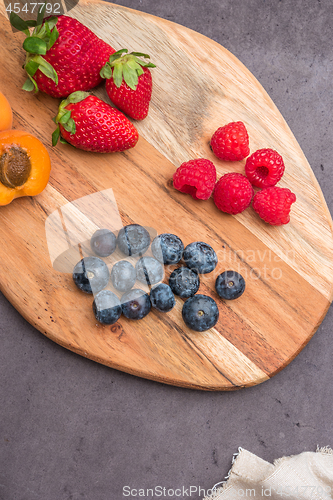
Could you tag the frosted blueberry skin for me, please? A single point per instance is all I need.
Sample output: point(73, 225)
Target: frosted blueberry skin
point(149, 270)
point(91, 274)
point(103, 242)
point(200, 257)
point(135, 304)
point(107, 308)
point(230, 285)
point(184, 282)
point(162, 298)
point(167, 248)
point(123, 275)
point(200, 313)
point(133, 239)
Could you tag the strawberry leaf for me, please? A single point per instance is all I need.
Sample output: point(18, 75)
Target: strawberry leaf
point(117, 55)
point(63, 141)
point(127, 67)
point(48, 72)
point(47, 30)
point(106, 71)
point(31, 67)
point(130, 76)
point(46, 69)
point(55, 136)
point(77, 96)
point(35, 45)
point(61, 112)
point(41, 14)
point(19, 23)
point(140, 54)
point(118, 74)
point(30, 85)
point(64, 119)
point(139, 71)
point(53, 38)
point(52, 22)
point(135, 66)
point(40, 31)
point(144, 64)
point(70, 126)
point(31, 23)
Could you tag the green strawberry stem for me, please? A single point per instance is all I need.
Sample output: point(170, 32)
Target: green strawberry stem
point(64, 116)
point(36, 45)
point(125, 67)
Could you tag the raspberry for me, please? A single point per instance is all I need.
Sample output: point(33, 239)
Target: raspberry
point(231, 142)
point(273, 205)
point(233, 193)
point(196, 177)
point(264, 168)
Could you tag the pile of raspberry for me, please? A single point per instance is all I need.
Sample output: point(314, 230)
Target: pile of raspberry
point(234, 192)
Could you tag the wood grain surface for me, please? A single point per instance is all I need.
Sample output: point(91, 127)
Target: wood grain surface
point(198, 86)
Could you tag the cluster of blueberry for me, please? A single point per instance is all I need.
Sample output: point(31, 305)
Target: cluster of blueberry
point(200, 312)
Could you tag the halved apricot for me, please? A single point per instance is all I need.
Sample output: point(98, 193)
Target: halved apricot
point(25, 165)
point(6, 115)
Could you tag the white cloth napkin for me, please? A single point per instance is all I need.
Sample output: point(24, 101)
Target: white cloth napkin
point(308, 476)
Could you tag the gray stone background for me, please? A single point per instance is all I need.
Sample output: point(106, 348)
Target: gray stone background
point(71, 429)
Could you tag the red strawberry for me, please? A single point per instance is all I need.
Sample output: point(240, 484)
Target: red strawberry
point(63, 55)
point(88, 123)
point(129, 82)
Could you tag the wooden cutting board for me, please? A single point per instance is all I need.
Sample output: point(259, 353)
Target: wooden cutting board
point(198, 86)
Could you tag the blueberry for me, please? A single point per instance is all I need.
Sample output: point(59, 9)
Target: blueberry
point(123, 275)
point(149, 270)
point(230, 285)
point(133, 239)
point(167, 248)
point(200, 313)
point(200, 257)
point(162, 298)
point(107, 307)
point(135, 304)
point(103, 242)
point(91, 274)
point(184, 282)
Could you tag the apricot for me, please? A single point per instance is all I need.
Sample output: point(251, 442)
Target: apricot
point(6, 115)
point(25, 165)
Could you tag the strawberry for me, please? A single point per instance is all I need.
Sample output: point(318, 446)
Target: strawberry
point(88, 123)
point(63, 55)
point(129, 82)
